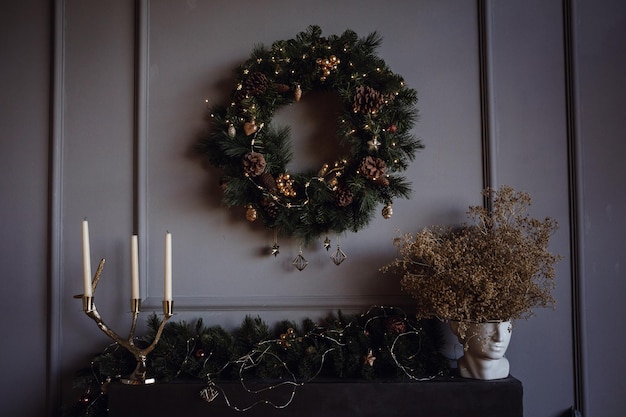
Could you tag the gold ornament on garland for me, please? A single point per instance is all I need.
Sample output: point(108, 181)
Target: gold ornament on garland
point(374, 129)
point(251, 214)
point(387, 211)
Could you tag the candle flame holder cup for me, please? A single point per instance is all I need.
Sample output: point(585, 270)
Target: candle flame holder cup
point(138, 376)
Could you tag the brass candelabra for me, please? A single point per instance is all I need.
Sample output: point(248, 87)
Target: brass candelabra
point(138, 377)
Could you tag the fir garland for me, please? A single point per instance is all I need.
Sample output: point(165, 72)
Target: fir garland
point(378, 113)
point(380, 344)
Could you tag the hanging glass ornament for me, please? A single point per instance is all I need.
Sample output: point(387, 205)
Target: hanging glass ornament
point(299, 261)
point(231, 130)
point(338, 257)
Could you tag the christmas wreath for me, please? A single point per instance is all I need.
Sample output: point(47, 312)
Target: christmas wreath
point(378, 113)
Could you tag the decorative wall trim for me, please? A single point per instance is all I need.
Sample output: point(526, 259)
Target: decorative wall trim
point(280, 303)
point(55, 205)
point(486, 97)
point(575, 202)
point(140, 180)
point(141, 213)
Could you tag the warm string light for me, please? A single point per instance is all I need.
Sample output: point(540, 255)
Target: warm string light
point(324, 173)
point(332, 339)
point(256, 357)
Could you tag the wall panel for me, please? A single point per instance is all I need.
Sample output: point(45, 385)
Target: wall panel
point(600, 56)
point(530, 136)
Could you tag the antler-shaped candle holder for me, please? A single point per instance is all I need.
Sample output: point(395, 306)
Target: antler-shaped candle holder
point(138, 377)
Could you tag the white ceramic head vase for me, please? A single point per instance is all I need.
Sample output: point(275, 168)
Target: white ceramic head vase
point(484, 347)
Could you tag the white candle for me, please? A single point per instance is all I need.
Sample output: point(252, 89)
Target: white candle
point(87, 292)
point(168, 267)
point(134, 268)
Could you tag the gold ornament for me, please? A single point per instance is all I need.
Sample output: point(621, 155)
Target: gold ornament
point(373, 144)
point(250, 127)
point(285, 185)
point(251, 214)
point(327, 65)
point(297, 94)
point(322, 172)
point(387, 211)
point(285, 339)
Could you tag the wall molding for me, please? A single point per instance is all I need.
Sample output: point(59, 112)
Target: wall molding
point(141, 214)
point(55, 205)
point(486, 97)
point(280, 303)
point(575, 202)
point(140, 180)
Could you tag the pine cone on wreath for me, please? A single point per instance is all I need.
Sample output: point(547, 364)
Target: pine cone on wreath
point(382, 180)
point(367, 100)
point(253, 164)
point(343, 197)
point(281, 88)
point(373, 168)
point(271, 208)
point(255, 84)
point(268, 181)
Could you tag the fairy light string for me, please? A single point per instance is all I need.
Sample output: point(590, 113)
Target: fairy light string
point(383, 342)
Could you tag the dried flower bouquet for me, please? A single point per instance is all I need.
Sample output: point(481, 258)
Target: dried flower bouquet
point(498, 267)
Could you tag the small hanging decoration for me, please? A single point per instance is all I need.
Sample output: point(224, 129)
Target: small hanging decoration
point(369, 358)
point(275, 246)
point(387, 211)
point(327, 243)
point(299, 261)
point(338, 257)
point(374, 129)
point(209, 393)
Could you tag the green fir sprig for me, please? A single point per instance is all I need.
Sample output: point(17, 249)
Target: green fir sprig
point(382, 344)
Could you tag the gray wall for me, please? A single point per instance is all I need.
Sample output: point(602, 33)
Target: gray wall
point(102, 101)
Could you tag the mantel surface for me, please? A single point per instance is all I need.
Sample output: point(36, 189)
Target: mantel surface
point(445, 397)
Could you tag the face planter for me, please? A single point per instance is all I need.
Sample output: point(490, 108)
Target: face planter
point(484, 345)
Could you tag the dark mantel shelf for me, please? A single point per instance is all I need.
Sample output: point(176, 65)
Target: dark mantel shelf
point(443, 397)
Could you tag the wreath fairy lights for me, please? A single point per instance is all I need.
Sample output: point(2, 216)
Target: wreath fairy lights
point(377, 115)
